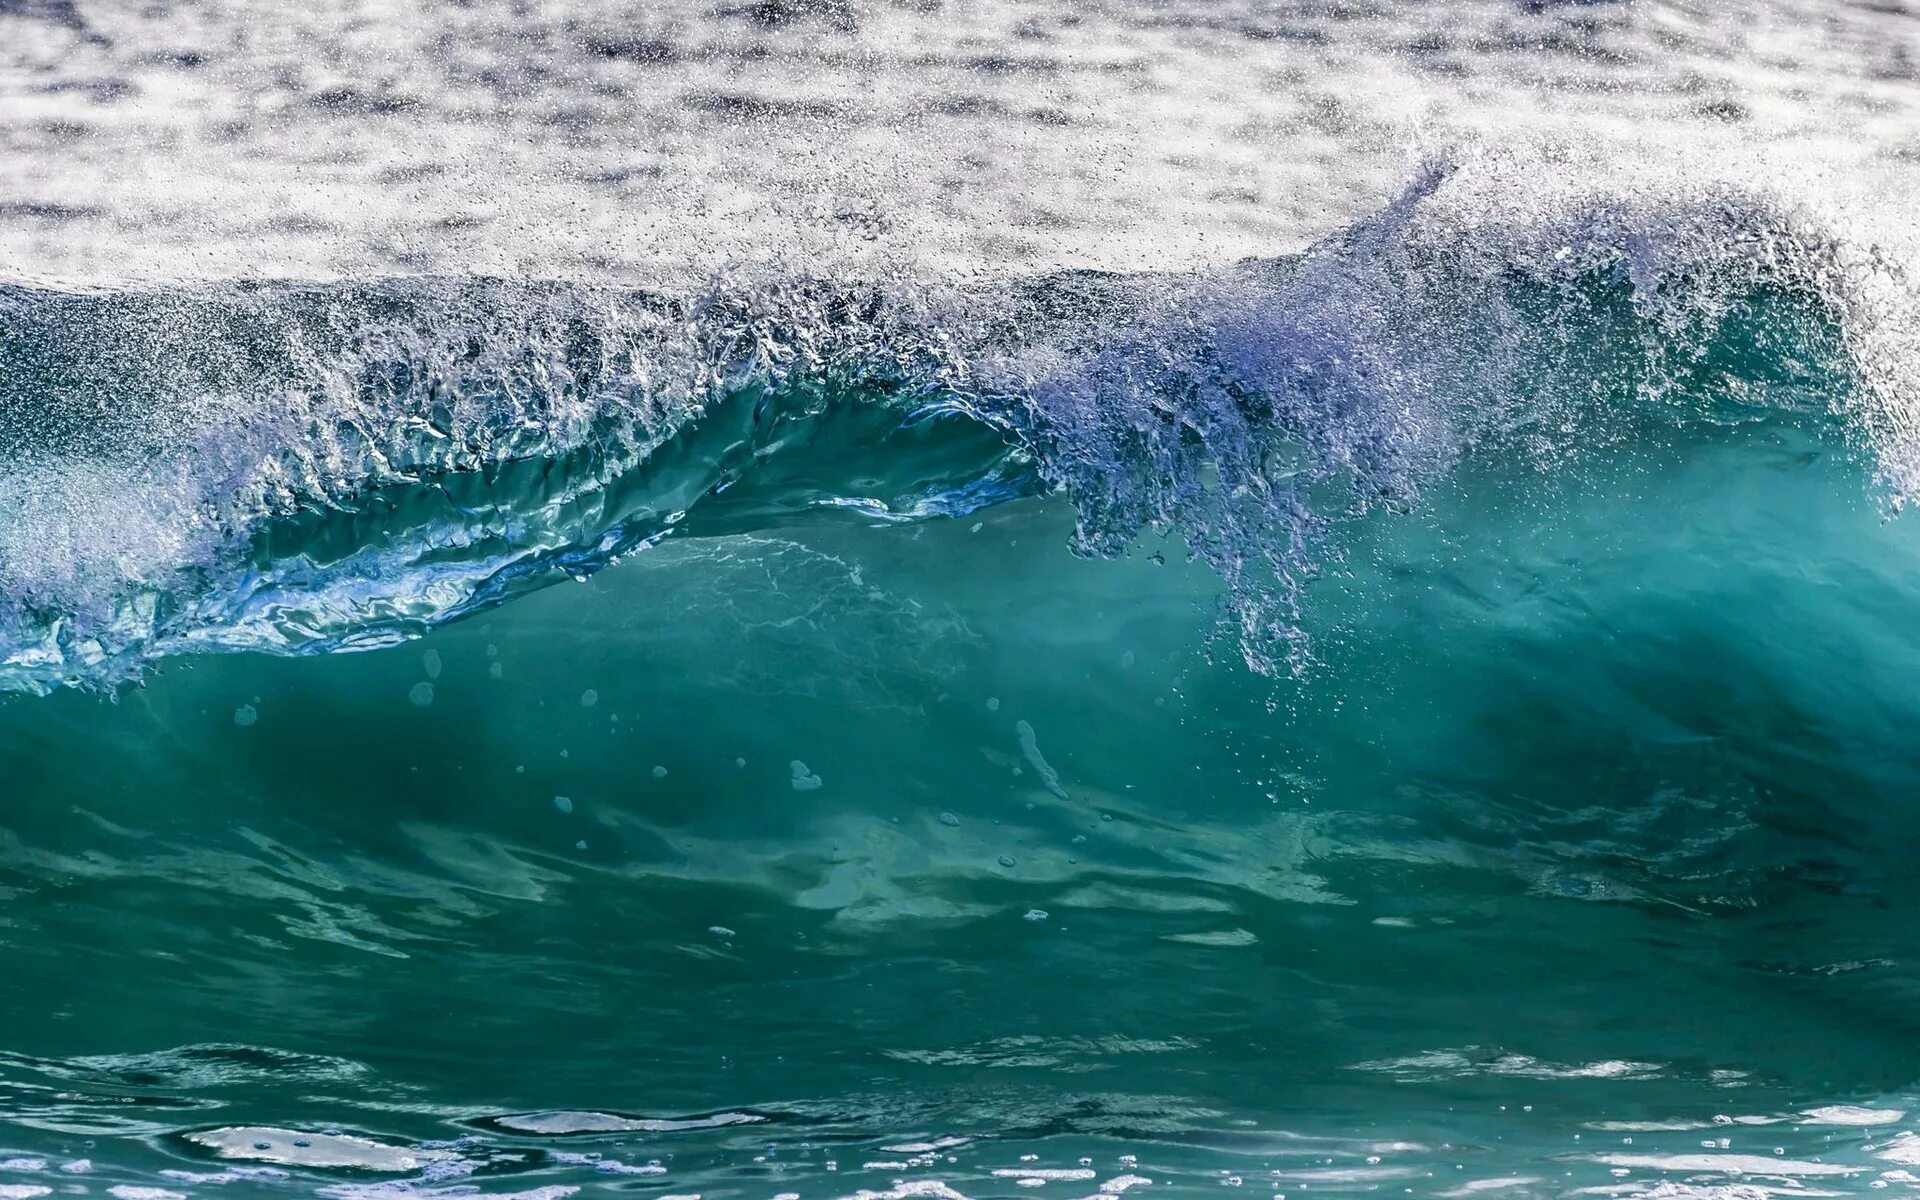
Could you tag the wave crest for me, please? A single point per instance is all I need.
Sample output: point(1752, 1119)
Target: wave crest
point(308, 468)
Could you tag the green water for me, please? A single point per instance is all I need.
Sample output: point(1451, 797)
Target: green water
point(1579, 857)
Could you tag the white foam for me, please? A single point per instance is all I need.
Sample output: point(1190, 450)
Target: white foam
point(1850, 1114)
point(1030, 750)
point(286, 1147)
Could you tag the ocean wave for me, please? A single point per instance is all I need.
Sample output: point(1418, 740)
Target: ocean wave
point(304, 468)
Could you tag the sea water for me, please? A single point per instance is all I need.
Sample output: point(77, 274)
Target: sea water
point(1304, 599)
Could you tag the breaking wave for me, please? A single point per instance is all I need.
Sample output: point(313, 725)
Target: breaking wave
point(301, 468)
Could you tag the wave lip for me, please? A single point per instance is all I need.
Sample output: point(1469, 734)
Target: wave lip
point(317, 469)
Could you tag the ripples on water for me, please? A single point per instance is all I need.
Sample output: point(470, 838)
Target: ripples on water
point(902, 669)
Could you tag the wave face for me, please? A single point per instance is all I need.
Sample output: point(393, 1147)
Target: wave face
point(833, 846)
point(306, 468)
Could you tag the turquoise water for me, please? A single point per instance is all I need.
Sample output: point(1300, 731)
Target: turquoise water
point(1356, 724)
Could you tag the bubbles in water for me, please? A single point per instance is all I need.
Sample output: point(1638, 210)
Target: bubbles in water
point(563, 803)
point(421, 694)
point(589, 698)
point(431, 661)
point(245, 715)
point(803, 779)
point(659, 772)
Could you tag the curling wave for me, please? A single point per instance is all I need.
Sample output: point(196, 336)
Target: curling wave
point(304, 468)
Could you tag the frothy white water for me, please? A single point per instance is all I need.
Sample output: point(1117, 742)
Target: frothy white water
point(581, 139)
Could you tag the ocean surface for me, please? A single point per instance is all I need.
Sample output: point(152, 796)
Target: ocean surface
point(816, 599)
